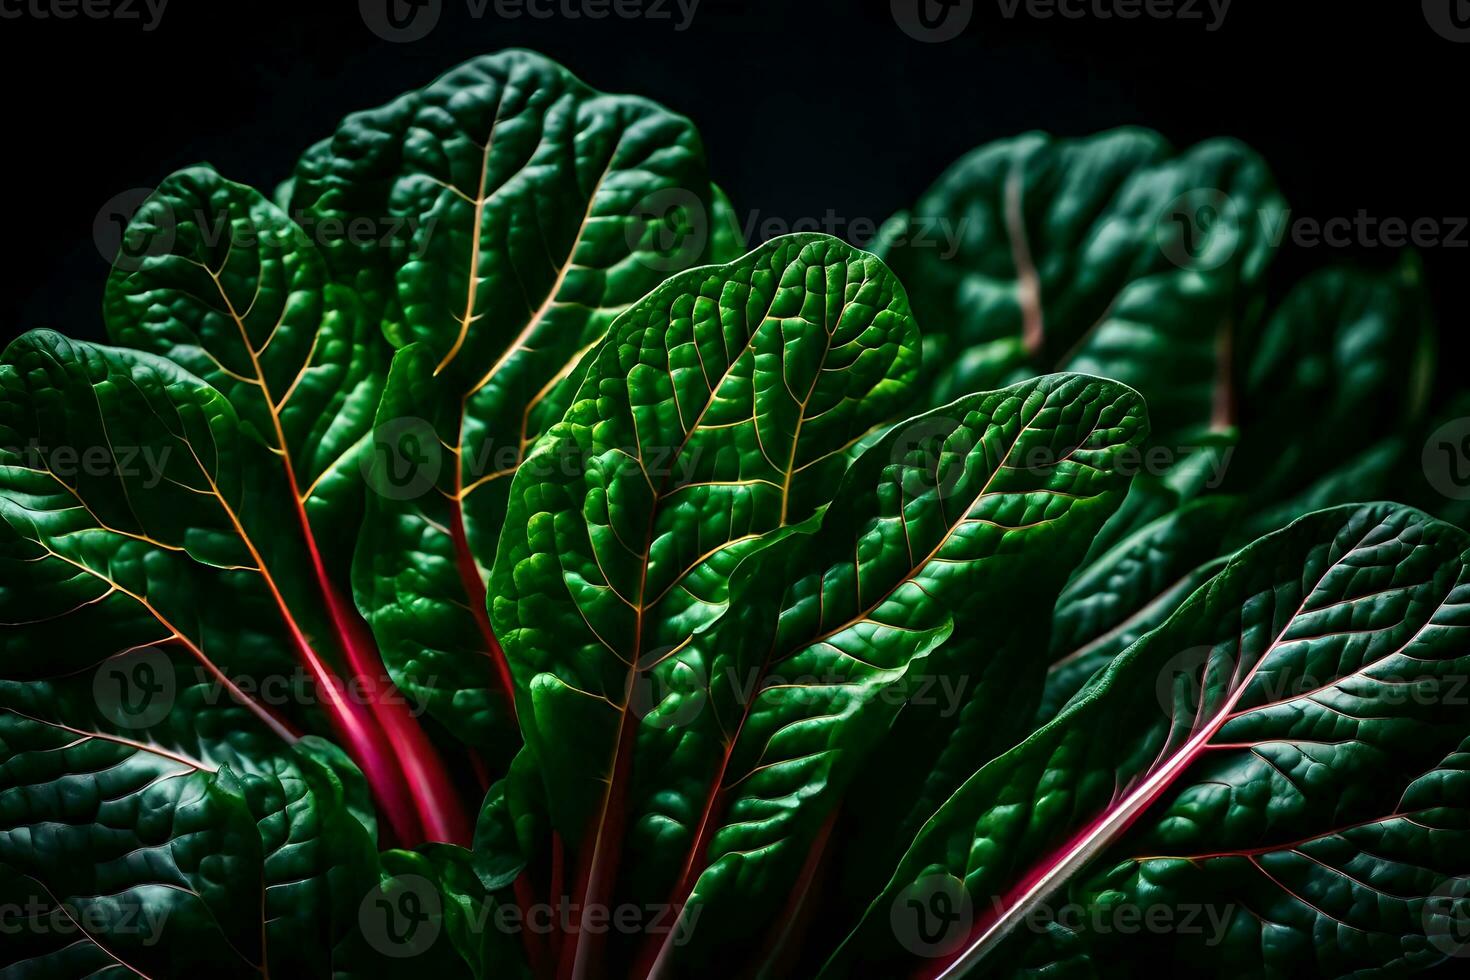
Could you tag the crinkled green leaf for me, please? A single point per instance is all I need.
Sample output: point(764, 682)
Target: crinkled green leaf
point(1113, 255)
point(520, 212)
point(718, 411)
point(1131, 589)
point(202, 841)
point(149, 693)
point(1341, 361)
point(961, 526)
point(221, 282)
point(1338, 377)
point(1288, 750)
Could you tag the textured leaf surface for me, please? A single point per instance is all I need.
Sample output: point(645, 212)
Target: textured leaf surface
point(521, 211)
point(1335, 391)
point(164, 827)
point(149, 692)
point(1342, 359)
point(718, 411)
point(952, 519)
point(1113, 255)
point(221, 282)
point(1131, 589)
point(1288, 750)
point(234, 292)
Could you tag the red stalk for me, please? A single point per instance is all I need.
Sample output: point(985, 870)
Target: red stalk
point(558, 876)
point(386, 734)
point(534, 947)
point(474, 589)
point(582, 958)
point(399, 736)
point(779, 953)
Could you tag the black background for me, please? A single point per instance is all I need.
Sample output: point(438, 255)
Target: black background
point(816, 109)
point(809, 109)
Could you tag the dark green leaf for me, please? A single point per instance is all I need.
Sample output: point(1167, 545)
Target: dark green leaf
point(1287, 752)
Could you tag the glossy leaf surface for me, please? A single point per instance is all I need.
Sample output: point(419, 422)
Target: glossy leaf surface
point(1114, 255)
point(719, 411)
point(519, 213)
point(1288, 749)
point(949, 521)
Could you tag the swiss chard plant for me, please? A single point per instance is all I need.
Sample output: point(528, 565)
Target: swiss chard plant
point(472, 557)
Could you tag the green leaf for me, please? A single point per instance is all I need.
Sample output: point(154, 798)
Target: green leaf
point(1344, 345)
point(1340, 374)
point(1131, 589)
point(718, 411)
point(520, 212)
point(956, 520)
point(482, 928)
point(200, 840)
point(149, 695)
point(224, 285)
point(1113, 255)
point(1287, 752)
point(234, 292)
